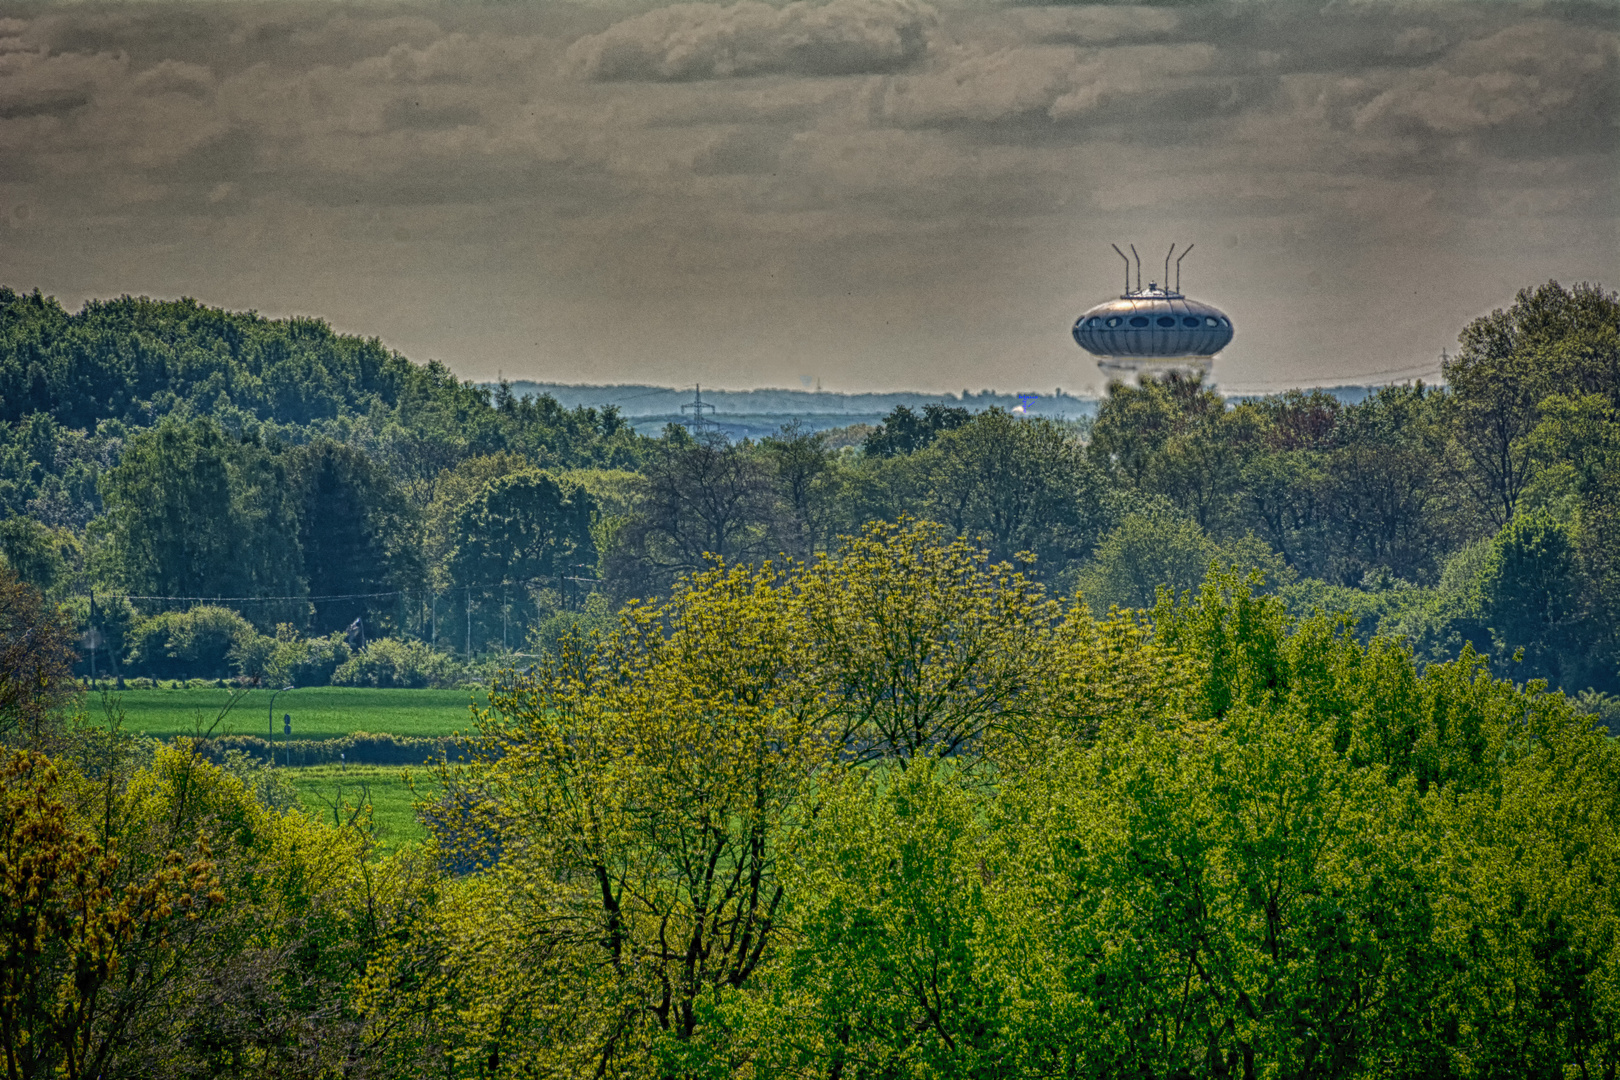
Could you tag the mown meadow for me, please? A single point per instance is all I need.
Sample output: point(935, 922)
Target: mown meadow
point(330, 790)
point(387, 793)
point(317, 712)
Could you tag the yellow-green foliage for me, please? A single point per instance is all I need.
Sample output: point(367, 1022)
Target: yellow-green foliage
point(892, 814)
point(1337, 866)
point(177, 925)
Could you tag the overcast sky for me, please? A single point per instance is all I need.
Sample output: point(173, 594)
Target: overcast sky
point(879, 194)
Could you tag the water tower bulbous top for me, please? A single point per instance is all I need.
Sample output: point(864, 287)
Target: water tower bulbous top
point(1153, 322)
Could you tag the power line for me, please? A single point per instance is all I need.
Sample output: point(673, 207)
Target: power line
point(335, 596)
point(1412, 372)
point(259, 599)
point(622, 400)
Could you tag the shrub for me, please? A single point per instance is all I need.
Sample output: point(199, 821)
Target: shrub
point(305, 661)
point(546, 637)
point(199, 642)
point(397, 662)
point(270, 786)
point(253, 656)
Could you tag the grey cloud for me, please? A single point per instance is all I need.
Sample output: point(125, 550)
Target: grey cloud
point(47, 104)
point(1057, 83)
point(739, 153)
point(1535, 77)
point(708, 41)
point(425, 116)
point(175, 77)
point(35, 83)
point(543, 156)
point(454, 58)
point(1419, 41)
point(971, 87)
point(226, 156)
point(1096, 25)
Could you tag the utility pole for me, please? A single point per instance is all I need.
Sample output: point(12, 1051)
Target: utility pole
point(273, 724)
point(697, 421)
point(577, 578)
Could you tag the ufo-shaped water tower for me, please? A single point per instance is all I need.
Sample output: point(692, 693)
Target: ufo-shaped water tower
point(1153, 331)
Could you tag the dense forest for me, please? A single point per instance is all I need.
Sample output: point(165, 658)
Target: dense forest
point(222, 495)
point(1208, 739)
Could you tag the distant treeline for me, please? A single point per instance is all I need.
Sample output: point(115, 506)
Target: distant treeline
point(160, 454)
point(637, 400)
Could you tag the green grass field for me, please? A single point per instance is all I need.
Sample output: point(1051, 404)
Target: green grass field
point(319, 712)
point(320, 787)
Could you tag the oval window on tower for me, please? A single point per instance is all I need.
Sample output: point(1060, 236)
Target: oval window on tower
point(1140, 320)
point(1189, 321)
point(1114, 321)
point(1167, 320)
point(1209, 320)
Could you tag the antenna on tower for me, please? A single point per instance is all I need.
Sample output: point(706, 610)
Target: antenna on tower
point(1122, 255)
point(1138, 268)
point(1178, 264)
point(697, 421)
point(1167, 268)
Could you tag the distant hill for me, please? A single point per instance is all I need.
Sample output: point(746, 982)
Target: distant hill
point(756, 413)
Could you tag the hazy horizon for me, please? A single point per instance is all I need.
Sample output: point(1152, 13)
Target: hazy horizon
point(882, 195)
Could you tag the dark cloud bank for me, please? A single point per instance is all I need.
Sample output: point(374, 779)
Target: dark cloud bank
point(881, 193)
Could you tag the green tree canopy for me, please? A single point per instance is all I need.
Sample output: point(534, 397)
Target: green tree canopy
point(903, 431)
point(1016, 485)
point(1535, 598)
point(521, 527)
point(1551, 341)
point(194, 513)
point(356, 531)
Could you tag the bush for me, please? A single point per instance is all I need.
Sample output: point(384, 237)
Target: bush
point(252, 657)
point(597, 617)
point(396, 662)
point(305, 661)
point(199, 642)
point(272, 788)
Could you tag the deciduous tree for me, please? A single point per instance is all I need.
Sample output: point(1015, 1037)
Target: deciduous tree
point(37, 654)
